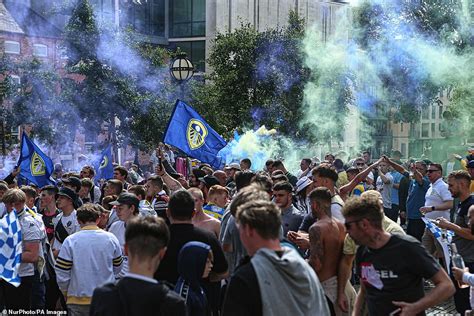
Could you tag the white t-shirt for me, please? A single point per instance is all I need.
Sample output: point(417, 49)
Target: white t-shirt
point(385, 189)
point(70, 223)
point(336, 208)
point(118, 229)
point(437, 194)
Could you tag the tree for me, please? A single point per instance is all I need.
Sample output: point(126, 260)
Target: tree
point(256, 77)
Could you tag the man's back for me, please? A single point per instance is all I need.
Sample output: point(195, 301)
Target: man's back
point(134, 296)
point(327, 239)
point(180, 235)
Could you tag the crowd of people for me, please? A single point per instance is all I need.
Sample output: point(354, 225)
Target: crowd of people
point(239, 241)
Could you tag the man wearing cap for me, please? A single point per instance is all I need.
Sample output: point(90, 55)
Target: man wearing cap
point(127, 209)
point(65, 223)
point(205, 183)
point(303, 187)
point(74, 183)
point(278, 165)
point(230, 171)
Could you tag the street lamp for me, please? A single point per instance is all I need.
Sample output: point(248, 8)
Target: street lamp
point(181, 69)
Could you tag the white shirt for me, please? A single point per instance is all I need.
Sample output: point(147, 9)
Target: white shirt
point(437, 194)
point(70, 223)
point(118, 229)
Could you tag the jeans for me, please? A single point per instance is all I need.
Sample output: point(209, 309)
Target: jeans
point(78, 310)
point(415, 228)
point(38, 292)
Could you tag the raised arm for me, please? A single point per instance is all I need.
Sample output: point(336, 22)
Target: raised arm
point(344, 190)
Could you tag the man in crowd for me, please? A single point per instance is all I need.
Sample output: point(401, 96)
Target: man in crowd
point(88, 258)
point(144, 207)
point(159, 198)
point(88, 172)
point(345, 292)
point(291, 216)
point(65, 223)
point(326, 237)
point(305, 168)
point(230, 171)
point(416, 195)
point(391, 283)
point(276, 280)
point(278, 165)
point(218, 197)
point(127, 208)
point(180, 212)
point(245, 164)
point(384, 185)
point(325, 176)
point(200, 218)
point(12, 297)
point(121, 174)
point(438, 203)
point(86, 188)
point(145, 245)
point(458, 185)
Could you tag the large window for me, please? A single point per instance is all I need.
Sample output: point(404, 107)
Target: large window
point(196, 52)
point(187, 18)
point(104, 10)
point(40, 50)
point(146, 18)
point(12, 47)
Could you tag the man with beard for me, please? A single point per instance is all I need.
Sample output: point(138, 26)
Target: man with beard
point(458, 185)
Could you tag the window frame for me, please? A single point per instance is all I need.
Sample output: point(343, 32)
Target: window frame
point(11, 52)
point(37, 45)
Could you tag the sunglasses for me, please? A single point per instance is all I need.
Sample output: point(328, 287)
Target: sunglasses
point(432, 170)
point(348, 224)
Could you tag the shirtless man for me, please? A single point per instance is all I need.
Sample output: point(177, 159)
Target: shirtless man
point(326, 237)
point(201, 219)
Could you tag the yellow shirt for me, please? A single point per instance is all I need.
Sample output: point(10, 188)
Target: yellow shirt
point(350, 247)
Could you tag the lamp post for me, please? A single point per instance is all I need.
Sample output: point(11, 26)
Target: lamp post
point(182, 68)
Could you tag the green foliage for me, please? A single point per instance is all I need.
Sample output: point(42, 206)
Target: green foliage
point(257, 78)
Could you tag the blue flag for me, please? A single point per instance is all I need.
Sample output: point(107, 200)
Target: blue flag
point(10, 243)
point(188, 131)
point(103, 166)
point(34, 165)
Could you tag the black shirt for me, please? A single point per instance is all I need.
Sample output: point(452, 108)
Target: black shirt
point(464, 246)
point(180, 234)
point(243, 292)
point(134, 297)
point(394, 272)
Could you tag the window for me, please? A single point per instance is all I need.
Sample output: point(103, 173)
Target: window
point(425, 113)
point(104, 10)
point(440, 112)
point(187, 18)
point(433, 129)
point(40, 50)
point(145, 18)
point(196, 52)
point(433, 112)
point(404, 149)
point(401, 127)
point(12, 47)
point(425, 130)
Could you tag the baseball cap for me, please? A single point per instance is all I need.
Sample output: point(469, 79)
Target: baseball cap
point(126, 198)
point(302, 184)
point(233, 165)
point(209, 181)
point(74, 181)
point(470, 164)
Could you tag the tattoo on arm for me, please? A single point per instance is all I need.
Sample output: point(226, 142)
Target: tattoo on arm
point(316, 248)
